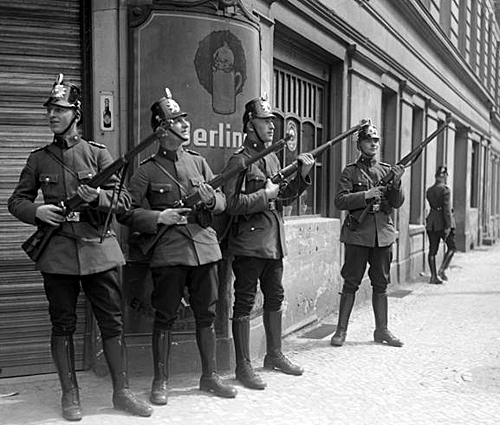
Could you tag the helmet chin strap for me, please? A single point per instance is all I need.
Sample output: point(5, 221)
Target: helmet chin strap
point(261, 140)
point(69, 126)
point(177, 134)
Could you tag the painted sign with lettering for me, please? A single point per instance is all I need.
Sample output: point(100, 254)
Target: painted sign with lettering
point(210, 64)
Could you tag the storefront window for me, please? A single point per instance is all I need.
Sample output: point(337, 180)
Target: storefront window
point(301, 100)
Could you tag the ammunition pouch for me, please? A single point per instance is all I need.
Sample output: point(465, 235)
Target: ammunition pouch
point(385, 207)
point(203, 216)
point(93, 217)
point(351, 222)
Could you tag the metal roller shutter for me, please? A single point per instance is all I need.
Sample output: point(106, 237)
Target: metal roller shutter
point(39, 39)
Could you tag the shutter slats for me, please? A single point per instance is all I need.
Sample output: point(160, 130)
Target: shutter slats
point(38, 40)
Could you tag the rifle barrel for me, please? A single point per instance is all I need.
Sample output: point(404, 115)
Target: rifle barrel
point(415, 153)
point(293, 167)
point(193, 198)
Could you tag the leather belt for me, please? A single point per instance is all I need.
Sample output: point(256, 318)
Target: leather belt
point(188, 219)
point(80, 217)
point(437, 209)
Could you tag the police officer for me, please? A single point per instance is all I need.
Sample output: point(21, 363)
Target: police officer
point(77, 255)
point(369, 242)
point(440, 224)
point(257, 241)
point(184, 248)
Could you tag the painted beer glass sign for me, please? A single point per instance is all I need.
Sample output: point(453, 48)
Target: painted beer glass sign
point(226, 75)
point(213, 66)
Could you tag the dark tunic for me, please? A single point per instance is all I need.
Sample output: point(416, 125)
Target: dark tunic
point(152, 191)
point(378, 227)
point(76, 249)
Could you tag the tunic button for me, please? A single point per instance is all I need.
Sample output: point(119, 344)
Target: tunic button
point(161, 190)
point(252, 229)
point(47, 179)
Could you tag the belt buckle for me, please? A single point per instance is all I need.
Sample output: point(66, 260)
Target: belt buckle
point(272, 205)
point(182, 220)
point(376, 207)
point(73, 216)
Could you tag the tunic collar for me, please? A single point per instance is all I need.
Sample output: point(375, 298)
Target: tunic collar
point(66, 141)
point(171, 155)
point(254, 144)
point(368, 162)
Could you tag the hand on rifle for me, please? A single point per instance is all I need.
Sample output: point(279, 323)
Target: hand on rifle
point(50, 214)
point(207, 194)
point(306, 161)
point(398, 171)
point(87, 193)
point(375, 193)
point(272, 189)
point(171, 216)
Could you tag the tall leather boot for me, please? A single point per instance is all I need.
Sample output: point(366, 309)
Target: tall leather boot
point(210, 380)
point(63, 353)
point(435, 279)
point(345, 308)
point(382, 334)
point(161, 342)
point(274, 358)
point(123, 399)
point(244, 370)
point(446, 263)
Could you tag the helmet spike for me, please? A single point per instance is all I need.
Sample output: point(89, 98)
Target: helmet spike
point(165, 109)
point(64, 94)
point(367, 130)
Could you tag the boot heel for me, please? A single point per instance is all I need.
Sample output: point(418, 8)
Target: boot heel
point(268, 364)
point(338, 338)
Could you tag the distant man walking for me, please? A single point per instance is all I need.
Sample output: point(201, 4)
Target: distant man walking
point(440, 224)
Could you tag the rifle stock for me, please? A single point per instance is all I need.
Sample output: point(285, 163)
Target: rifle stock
point(286, 172)
point(38, 241)
point(408, 159)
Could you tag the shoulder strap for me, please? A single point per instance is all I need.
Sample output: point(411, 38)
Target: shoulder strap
point(60, 161)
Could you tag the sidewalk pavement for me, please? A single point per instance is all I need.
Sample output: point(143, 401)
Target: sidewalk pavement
point(448, 372)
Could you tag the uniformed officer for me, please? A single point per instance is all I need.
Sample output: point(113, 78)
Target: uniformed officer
point(440, 224)
point(370, 242)
point(183, 246)
point(257, 241)
point(77, 255)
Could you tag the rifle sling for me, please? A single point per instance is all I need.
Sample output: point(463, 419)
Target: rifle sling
point(60, 162)
point(170, 176)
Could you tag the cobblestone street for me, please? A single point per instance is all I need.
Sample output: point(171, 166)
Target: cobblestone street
point(448, 372)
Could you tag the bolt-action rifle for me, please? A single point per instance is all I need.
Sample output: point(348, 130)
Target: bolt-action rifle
point(290, 169)
point(38, 241)
point(407, 161)
point(192, 200)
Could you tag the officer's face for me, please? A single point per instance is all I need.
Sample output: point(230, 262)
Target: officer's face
point(369, 146)
point(180, 133)
point(59, 118)
point(264, 127)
